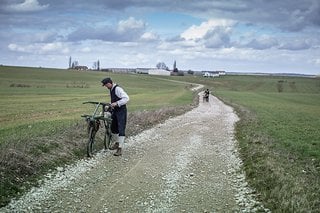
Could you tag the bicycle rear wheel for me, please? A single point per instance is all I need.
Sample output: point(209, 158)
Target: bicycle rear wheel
point(90, 143)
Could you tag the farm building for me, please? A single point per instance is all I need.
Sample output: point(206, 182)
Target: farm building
point(212, 74)
point(158, 72)
point(142, 70)
point(80, 67)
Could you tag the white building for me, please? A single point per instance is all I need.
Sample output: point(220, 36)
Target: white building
point(212, 74)
point(158, 72)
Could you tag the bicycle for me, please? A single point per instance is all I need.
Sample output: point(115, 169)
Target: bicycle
point(206, 97)
point(102, 112)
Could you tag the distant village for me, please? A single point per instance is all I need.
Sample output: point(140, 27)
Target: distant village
point(162, 69)
point(159, 69)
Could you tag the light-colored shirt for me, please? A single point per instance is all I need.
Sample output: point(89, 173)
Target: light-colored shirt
point(124, 98)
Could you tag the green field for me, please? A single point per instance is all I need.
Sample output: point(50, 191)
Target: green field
point(291, 116)
point(278, 134)
point(40, 123)
point(46, 99)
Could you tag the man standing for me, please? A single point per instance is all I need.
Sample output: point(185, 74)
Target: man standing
point(119, 99)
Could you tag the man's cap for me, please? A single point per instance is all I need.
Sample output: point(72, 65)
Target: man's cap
point(106, 80)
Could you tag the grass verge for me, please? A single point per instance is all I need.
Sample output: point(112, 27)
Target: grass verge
point(284, 180)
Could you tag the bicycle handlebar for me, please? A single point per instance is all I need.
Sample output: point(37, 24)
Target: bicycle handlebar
point(104, 109)
point(95, 102)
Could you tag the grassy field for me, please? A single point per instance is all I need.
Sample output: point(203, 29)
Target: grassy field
point(278, 134)
point(45, 99)
point(40, 123)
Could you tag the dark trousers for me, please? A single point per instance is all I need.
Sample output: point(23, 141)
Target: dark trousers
point(119, 120)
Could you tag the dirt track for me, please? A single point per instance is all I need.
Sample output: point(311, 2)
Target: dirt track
point(187, 164)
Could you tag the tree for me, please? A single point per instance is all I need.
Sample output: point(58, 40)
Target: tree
point(175, 69)
point(162, 65)
point(190, 72)
point(96, 65)
point(74, 64)
point(70, 62)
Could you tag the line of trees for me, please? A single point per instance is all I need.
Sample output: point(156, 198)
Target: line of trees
point(163, 66)
point(75, 64)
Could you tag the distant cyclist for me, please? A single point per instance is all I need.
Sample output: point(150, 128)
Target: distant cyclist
point(206, 95)
point(119, 99)
point(207, 92)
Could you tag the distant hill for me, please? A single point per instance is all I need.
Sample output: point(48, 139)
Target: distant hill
point(272, 74)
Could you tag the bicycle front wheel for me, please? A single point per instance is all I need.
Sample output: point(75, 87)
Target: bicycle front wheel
point(90, 144)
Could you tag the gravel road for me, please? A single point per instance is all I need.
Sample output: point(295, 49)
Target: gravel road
point(189, 163)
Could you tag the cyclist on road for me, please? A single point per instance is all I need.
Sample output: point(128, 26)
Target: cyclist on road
point(206, 94)
point(119, 99)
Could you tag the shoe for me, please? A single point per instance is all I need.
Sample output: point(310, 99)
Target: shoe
point(118, 152)
point(115, 146)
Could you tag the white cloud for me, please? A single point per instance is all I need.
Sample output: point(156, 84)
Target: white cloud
point(129, 30)
point(40, 48)
point(26, 6)
point(17, 48)
point(198, 32)
point(149, 36)
point(130, 24)
point(317, 62)
point(210, 34)
point(86, 50)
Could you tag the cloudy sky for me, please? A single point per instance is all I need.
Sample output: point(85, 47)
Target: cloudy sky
point(234, 35)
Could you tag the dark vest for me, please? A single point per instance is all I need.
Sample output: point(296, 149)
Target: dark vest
point(114, 97)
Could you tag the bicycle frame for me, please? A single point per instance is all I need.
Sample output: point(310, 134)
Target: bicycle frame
point(93, 123)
